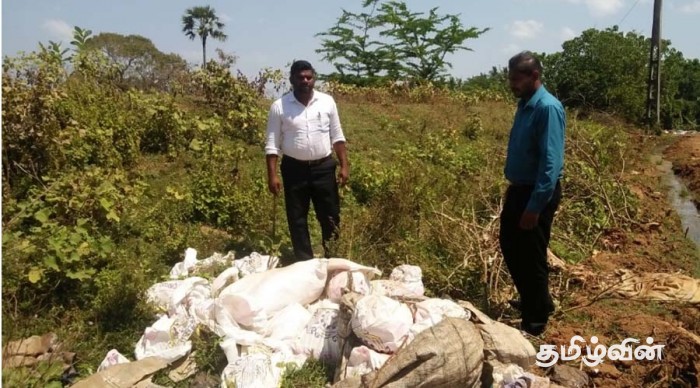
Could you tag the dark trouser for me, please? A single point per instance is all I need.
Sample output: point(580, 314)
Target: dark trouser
point(304, 183)
point(525, 252)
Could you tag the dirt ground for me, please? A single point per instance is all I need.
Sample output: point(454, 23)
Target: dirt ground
point(655, 244)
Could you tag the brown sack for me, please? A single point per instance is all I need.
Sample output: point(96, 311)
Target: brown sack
point(123, 375)
point(450, 354)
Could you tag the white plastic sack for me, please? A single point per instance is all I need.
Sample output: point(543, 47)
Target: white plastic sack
point(252, 300)
point(230, 348)
point(381, 323)
point(160, 294)
point(189, 292)
point(430, 312)
point(158, 341)
point(319, 338)
point(183, 268)
point(258, 366)
point(287, 323)
point(255, 263)
point(226, 326)
point(340, 281)
point(392, 289)
point(363, 360)
point(347, 265)
point(113, 358)
point(411, 276)
point(253, 370)
point(225, 278)
point(513, 376)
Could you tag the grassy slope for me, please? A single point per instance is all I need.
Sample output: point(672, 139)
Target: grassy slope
point(383, 232)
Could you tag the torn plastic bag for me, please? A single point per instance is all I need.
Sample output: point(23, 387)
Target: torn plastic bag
point(255, 263)
point(183, 268)
point(190, 291)
point(251, 370)
point(381, 323)
point(393, 289)
point(167, 338)
point(160, 294)
point(319, 338)
point(430, 312)
point(113, 358)
point(343, 281)
point(364, 360)
point(411, 276)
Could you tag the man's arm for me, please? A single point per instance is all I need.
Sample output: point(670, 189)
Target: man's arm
point(273, 148)
point(552, 124)
point(342, 153)
point(273, 181)
point(338, 141)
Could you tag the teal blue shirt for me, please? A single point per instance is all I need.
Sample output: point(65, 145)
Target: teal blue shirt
point(536, 147)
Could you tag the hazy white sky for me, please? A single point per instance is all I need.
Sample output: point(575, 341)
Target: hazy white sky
point(266, 33)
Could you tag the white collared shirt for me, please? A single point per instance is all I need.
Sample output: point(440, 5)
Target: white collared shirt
point(303, 132)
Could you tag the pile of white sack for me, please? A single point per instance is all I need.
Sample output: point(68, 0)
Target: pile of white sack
point(269, 317)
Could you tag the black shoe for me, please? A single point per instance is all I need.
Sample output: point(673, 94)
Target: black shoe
point(533, 328)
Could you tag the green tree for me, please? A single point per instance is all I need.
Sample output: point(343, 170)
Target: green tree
point(349, 45)
point(203, 22)
point(390, 42)
point(608, 70)
point(421, 42)
point(139, 62)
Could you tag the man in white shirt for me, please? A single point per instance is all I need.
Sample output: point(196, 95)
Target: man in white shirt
point(304, 127)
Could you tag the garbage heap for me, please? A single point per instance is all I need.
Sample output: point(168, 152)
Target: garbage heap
point(375, 332)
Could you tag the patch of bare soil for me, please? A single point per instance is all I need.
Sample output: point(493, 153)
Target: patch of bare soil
point(655, 243)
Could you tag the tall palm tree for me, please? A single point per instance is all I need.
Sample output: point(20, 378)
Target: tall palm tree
point(203, 22)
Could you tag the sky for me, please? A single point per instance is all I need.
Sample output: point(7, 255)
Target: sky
point(267, 33)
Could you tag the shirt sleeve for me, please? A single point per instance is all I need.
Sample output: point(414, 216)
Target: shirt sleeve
point(273, 145)
point(335, 128)
point(550, 143)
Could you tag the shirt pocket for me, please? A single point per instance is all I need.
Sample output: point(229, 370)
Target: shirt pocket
point(321, 122)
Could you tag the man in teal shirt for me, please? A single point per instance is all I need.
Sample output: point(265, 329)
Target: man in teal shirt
point(533, 167)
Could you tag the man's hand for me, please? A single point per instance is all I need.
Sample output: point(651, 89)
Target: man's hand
point(274, 184)
point(529, 220)
point(343, 175)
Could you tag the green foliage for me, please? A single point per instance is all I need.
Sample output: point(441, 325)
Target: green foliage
point(608, 70)
point(210, 357)
point(312, 374)
point(394, 43)
point(45, 374)
point(167, 128)
point(64, 231)
point(235, 101)
point(357, 57)
point(421, 41)
point(140, 64)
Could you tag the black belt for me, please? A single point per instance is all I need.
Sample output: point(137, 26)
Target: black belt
point(308, 162)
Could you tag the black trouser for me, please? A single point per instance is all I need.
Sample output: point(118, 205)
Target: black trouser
point(304, 183)
point(525, 252)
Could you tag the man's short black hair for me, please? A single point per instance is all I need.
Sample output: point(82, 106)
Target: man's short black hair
point(525, 62)
point(299, 66)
